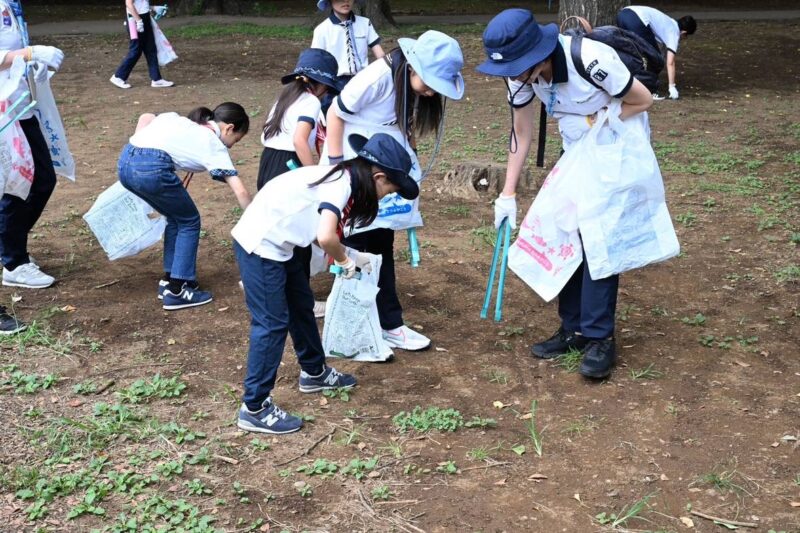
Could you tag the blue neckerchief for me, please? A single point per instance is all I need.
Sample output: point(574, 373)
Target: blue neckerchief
point(16, 8)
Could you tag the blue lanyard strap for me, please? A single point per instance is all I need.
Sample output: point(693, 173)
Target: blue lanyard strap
point(16, 8)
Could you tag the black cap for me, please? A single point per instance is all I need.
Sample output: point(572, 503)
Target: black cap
point(385, 152)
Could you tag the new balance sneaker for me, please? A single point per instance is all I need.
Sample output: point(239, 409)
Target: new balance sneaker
point(161, 83)
point(319, 309)
point(28, 276)
point(598, 358)
point(188, 297)
point(559, 344)
point(329, 379)
point(162, 286)
point(406, 338)
point(269, 419)
point(9, 325)
point(119, 82)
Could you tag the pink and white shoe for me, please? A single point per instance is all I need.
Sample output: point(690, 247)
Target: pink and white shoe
point(406, 338)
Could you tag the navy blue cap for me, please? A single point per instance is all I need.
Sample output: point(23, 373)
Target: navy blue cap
point(514, 42)
point(385, 152)
point(318, 65)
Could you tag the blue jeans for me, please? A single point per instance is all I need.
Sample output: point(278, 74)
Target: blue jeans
point(280, 301)
point(587, 305)
point(145, 43)
point(18, 216)
point(150, 174)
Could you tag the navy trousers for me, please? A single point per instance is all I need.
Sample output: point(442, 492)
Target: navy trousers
point(145, 43)
point(280, 301)
point(627, 19)
point(18, 216)
point(381, 242)
point(588, 306)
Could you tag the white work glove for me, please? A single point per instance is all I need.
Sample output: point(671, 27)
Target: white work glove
point(159, 12)
point(140, 26)
point(40, 72)
point(363, 262)
point(49, 55)
point(348, 268)
point(505, 207)
point(673, 92)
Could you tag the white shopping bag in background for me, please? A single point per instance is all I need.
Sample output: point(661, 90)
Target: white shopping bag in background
point(352, 329)
point(166, 54)
point(124, 223)
point(50, 123)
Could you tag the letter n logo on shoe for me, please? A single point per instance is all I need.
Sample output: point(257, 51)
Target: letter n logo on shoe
point(331, 379)
point(187, 294)
point(270, 420)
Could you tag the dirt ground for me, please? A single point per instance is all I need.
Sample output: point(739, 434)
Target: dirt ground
point(701, 414)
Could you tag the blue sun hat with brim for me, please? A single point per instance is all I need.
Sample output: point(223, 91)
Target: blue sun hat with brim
point(383, 151)
point(319, 65)
point(438, 60)
point(323, 5)
point(514, 42)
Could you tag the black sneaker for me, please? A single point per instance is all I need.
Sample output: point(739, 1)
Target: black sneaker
point(559, 344)
point(598, 358)
point(9, 325)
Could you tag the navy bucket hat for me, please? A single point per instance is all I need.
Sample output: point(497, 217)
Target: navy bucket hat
point(383, 151)
point(319, 65)
point(514, 42)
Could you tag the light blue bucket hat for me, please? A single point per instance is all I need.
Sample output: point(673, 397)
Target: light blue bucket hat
point(438, 60)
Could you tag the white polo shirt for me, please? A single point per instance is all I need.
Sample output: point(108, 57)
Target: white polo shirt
point(141, 6)
point(369, 97)
point(331, 35)
point(10, 40)
point(307, 109)
point(664, 27)
point(285, 213)
point(192, 147)
point(570, 98)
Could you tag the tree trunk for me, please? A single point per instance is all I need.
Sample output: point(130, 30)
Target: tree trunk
point(597, 12)
point(379, 12)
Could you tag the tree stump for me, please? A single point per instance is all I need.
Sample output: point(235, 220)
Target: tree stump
point(475, 180)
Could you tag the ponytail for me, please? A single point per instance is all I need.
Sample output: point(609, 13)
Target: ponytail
point(228, 112)
point(289, 95)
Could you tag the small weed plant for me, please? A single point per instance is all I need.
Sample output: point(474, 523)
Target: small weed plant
point(157, 387)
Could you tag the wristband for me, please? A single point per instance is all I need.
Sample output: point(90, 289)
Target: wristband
point(335, 159)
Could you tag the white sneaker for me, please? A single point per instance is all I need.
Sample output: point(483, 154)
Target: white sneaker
point(28, 276)
point(161, 83)
point(406, 338)
point(319, 309)
point(657, 97)
point(119, 82)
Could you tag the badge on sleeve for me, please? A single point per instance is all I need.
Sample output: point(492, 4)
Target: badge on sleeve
point(6, 17)
point(600, 75)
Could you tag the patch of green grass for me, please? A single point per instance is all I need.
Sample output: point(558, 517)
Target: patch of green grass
point(484, 235)
point(789, 273)
point(687, 219)
point(447, 467)
point(535, 433)
point(722, 480)
point(320, 467)
point(381, 492)
point(207, 30)
point(649, 372)
point(497, 376)
point(614, 520)
point(578, 427)
point(793, 157)
point(448, 420)
point(341, 394)
point(458, 209)
point(697, 320)
point(22, 383)
point(571, 360)
point(85, 387)
point(157, 387)
point(359, 468)
point(38, 334)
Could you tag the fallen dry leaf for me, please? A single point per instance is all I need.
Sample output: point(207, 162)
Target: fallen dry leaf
point(323, 401)
point(500, 405)
point(75, 403)
point(775, 444)
point(577, 497)
point(221, 309)
point(171, 341)
point(526, 416)
point(69, 308)
point(501, 482)
point(534, 477)
point(688, 522)
point(795, 504)
point(440, 349)
point(743, 364)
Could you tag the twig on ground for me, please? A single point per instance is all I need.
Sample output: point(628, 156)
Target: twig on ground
point(122, 368)
point(110, 383)
point(229, 460)
point(307, 450)
point(485, 466)
point(104, 285)
point(723, 520)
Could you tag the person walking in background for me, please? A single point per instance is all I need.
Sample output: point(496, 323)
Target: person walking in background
point(657, 27)
point(143, 41)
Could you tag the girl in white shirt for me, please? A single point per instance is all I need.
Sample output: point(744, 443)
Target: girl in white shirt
point(147, 167)
point(401, 95)
point(347, 36)
point(139, 12)
point(291, 128)
point(295, 209)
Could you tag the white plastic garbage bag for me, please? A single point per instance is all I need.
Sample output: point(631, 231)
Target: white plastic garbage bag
point(50, 123)
point(16, 160)
point(622, 215)
point(124, 223)
point(352, 329)
point(166, 54)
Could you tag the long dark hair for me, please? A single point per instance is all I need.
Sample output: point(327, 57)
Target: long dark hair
point(227, 112)
point(289, 95)
point(365, 200)
point(416, 114)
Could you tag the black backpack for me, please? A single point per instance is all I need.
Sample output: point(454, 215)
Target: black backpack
point(643, 60)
